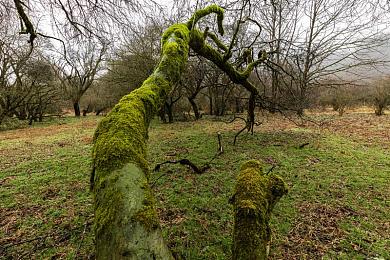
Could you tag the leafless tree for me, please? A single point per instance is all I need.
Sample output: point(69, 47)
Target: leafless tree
point(23, 82)
point(327, 40)
point(78, 67)
point(380, 97)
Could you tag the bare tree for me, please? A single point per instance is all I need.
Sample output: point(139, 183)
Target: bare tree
point(380, 97)
point(79, 67)
point(17, 86)
point(327, 40)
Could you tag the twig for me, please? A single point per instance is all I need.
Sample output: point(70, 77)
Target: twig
point(195, 168)
point(82, 238)
point(270, 170)
point(239, 132)
point(187, 162)
point(303, 145)
point(220, 147)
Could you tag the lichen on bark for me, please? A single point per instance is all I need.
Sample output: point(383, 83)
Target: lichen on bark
point(254, 198)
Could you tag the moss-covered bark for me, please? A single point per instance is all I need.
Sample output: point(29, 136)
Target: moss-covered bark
point(126, 223)
point(254, 198)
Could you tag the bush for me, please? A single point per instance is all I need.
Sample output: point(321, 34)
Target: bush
point(10, 123)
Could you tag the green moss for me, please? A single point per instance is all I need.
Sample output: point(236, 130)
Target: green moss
point(147, 215)
point(108, 202)
point(121, 137)
point(245, 74)
point(218, 42)
point(251, 164)
point(255, 196)
point(204, 12)
point(124, 202)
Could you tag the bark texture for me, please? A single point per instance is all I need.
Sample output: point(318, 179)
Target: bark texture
point(254, 198)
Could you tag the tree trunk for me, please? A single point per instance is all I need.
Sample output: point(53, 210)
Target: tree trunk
point(86, 110)
point(194, 107)
point(126, 224)
point(161, 114)
point(251, 113)
point(238, 105)
point(169, 111)
point(76, 107)
point(254, 198)
point(98, 111)
point(274, 92)
point(210, 103)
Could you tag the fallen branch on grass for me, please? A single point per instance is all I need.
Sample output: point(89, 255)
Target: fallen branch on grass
point(303, 145)
point(196, 169)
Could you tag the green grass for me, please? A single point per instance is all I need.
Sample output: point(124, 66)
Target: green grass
point(338, 204)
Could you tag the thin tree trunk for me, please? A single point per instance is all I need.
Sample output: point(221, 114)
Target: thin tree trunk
point(254, 198)
point(76, 108)
point(169, 111)
point(211, 109)
point(251, 113)
point(194, 107)
point(161, 114)
point(98, 111)
point(238, 105)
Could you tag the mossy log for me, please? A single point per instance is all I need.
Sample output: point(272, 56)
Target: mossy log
point(254, 198)
point(126, 223)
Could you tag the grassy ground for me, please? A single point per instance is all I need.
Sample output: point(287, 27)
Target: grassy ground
point(338, 205)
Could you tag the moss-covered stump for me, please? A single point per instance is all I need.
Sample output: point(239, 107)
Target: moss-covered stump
point(254, 198)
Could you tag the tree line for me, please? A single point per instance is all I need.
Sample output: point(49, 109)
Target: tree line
point(315, 50)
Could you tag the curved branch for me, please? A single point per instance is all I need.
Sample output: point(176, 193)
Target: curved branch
point(29, 26)
point(204, 12)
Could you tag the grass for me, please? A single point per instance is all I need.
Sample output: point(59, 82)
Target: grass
point(338, 206)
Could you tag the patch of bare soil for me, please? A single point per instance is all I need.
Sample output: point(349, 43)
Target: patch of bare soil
point(315, 231)
point(170, 217)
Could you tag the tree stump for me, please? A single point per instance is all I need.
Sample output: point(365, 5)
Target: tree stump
point(254, 198)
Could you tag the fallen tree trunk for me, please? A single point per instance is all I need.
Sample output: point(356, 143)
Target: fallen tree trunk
point(254, 198)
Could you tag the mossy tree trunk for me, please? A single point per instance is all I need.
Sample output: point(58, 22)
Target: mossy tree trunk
point(126, 223)
point(254, 198)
